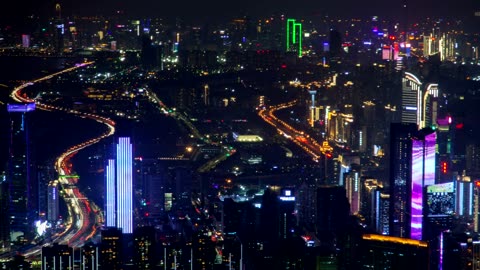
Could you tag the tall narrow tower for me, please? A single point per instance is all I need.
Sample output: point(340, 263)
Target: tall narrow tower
point(119, 187)
point(312, 107)
point(20, 176)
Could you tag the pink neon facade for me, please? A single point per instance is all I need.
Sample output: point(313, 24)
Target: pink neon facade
point(423, 174)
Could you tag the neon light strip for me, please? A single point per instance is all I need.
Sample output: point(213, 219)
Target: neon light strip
point(110, 193)
point(417, 190)
point(299, 25)
point(461, 203)
point(470, 200)
point(124, 185)
point(292, 21)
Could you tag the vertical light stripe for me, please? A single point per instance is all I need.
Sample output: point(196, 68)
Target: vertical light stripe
point(461, 203)
point(124, 185)
point(110, 194)
point(470, 199)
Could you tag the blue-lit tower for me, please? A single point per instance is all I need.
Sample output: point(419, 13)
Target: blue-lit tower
point(119, 187)
point(110, 194)
point(20, 175)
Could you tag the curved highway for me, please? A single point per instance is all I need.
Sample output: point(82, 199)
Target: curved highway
point(84, 217)
point(304, 141)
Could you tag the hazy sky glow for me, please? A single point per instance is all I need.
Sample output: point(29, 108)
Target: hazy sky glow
point(194, 9)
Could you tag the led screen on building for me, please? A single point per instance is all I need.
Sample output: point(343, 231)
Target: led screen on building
point(440, 200)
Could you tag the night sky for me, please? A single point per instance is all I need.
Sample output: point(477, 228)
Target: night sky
point(194, 10)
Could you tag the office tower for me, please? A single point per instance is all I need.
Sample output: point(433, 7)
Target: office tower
point(472, 159)
point(111, 248)
point(412, 168)
point(464, 198)
point(347, 161)
point(445, 137)
point(57, 257)
point(411, 108)
point(89, 257)
point(419, 101)
point(46, 173)
point(119, 187)
point(387, 252)
point(312, 107)
point(110, 194)
point(400, 177)
point(4, 220)
point(59, 30)
point(332, 209)
point(335, 42)
point(369, 204)
point(422, 175)
point(144, 246)
point(294, 37)
point(53, 202)
point(353, 185)
point(124, 185)
point(306, 207)
point(429, 115)
point(383, 208)
point(20, 175)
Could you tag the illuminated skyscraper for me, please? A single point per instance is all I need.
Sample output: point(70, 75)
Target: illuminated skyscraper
point(20, 176)
point(411, 98)
point(111, 251)
point(119, 188)
point(110, 194)
point(412, 167)
point(400, 181)
point(57, 257)
point(464, 197)
point(294, 37)
point(419, 102)
point(422, 175)
point(52, 202)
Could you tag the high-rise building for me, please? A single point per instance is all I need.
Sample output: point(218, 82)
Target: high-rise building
point(332, 209)
point(412, 168)
point(422, 175)
point(419, 101)
point(4, 220)
point(353, 185)
point(144, 248)
point(411, 99)
point(20, 175)
point(111, 251)
point(89, 257)
point(387, 252)
point(294, 37)
point(57, 257)
point(53, 202)
point(400, 169)
point(119, 187)
point(464, 197)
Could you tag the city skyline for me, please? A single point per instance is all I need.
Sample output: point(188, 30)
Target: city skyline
point(244, 144)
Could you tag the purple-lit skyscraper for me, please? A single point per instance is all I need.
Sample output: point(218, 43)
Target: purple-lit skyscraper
point(119, 188)
point(422, 174)
point(412, 168)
